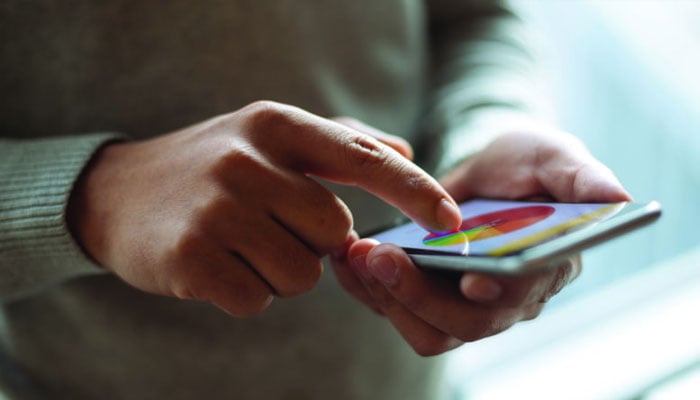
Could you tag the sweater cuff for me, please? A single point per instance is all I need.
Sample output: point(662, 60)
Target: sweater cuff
point(36, 179)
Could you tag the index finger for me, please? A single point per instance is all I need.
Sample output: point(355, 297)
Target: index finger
point(339, 154)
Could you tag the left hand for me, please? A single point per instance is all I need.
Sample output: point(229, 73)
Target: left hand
point(433, 314)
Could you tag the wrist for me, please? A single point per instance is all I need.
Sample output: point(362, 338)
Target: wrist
point(86, 215)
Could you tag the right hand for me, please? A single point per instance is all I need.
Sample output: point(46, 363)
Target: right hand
point(225, 211)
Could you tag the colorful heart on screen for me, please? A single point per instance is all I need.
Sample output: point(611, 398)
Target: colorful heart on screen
point(492, 224)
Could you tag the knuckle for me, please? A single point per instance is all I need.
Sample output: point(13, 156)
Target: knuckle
point(520, 293)
point(343, 221)
point(576, 267)
point(551, 284)
point(238, 161)
point(330, 217)
point(265, 114)
point(562, 275)
point(487, 325)
point(246, 306)
point(242, 298)
point(363, 152)
point(575, 178)
point(432, 346)
point(218, 205)
point(261, 107)
point(346, 120)
point(185, 281)
point(254, 305)
point(426, 350)
point(196, 274)
point(181, 289)
point(337, 226)
point(526, 290)
point(183, 271)
point(187, 245)
point(532, 312)
point(303, 277)
point(418, 182)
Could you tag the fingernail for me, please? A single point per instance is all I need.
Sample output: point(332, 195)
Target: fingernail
point(385, 270)
point(359, 263)
point(481, 289)
point(448, 215)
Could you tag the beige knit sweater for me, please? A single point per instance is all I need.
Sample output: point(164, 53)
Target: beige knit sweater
point(438, 73)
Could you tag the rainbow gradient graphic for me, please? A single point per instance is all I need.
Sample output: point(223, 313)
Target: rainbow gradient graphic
point(489, 225)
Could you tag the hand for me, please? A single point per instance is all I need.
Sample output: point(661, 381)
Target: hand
point(435, 314)
point(544, 164)
point(226, 211)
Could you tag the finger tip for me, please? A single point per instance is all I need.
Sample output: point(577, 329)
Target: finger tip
point(479, 288)
point(601, 184)
point(384, 268)
point(626, 196)
point(342, 250)
point(612, 191)
point(361, 247)
point(448, 215)
point(386, 253)
point(386, 249)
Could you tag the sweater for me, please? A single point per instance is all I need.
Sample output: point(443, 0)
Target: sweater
point(75, 76)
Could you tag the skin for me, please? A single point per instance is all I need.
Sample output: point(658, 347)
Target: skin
point(434, 314)
point(172, 216)
point(226, 212)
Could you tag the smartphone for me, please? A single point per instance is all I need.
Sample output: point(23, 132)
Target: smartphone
point(514, 237)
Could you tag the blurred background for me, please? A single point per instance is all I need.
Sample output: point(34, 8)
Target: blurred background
point(625, 76)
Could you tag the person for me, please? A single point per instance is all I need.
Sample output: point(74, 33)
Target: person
point(115, 246)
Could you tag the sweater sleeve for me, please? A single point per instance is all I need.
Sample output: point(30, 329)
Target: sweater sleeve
point(485, 81)
point(36, 177)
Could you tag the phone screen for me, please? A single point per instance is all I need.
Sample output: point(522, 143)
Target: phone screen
point(496, 228)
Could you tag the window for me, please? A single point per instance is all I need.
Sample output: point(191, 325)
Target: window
point(625, 79)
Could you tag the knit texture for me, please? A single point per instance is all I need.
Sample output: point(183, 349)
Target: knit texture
point(439, 73)
point(36, 179)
